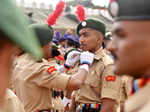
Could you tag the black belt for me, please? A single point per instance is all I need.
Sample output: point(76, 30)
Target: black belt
point(48, 110)
point(81, 107)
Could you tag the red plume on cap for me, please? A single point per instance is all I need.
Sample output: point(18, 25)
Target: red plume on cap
point(57, 13)
point(112, 1)
point(80, 13)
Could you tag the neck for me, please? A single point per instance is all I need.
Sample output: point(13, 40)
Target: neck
point(45, 57)
point(51, 59)
point(97, 48)
point(143, 73)
point(146, 73)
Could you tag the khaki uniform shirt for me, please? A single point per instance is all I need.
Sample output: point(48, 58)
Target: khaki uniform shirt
point(12, 103)
point(125, 89)
point(139, 102)
point(33, 83)
point(96, 86)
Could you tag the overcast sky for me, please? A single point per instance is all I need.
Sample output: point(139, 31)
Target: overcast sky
point(54, 2)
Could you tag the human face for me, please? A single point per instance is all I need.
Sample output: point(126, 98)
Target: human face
point(63, 43)
point(47, 50)
point(130, 48)
point(7, 51)
point(90, 40)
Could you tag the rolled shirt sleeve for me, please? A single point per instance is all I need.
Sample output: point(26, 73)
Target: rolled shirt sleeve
point(111, 84)
point(54, 79)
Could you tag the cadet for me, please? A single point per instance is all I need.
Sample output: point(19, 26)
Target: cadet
point(12, 103)
point(34, 79)
point(130, 48)
point(13, 30)
point(107, 39)
point(100, 90)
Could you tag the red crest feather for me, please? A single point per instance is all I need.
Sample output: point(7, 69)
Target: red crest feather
point(80, 13)
point(112, 1)
point(57, 13)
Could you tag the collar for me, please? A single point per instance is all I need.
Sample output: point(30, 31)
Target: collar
point(138, 84)
point(99, 54)
point(51, 60)
point(44, 60)
point(69, 48)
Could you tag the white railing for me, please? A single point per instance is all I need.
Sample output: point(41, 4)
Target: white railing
point(89, 11)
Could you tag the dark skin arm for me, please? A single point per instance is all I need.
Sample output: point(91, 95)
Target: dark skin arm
point(68, 94)
point(72, 106)
point(121, 106)
point(77, 80)
point(108, 105)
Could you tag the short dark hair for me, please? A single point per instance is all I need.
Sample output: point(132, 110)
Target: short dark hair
point(4, 36)
point(70, 43)
point(4, 39)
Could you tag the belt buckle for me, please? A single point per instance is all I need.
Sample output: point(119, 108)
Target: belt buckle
point(49, 110)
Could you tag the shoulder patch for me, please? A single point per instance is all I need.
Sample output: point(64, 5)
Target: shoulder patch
point(61, 58)
point(110, 78)
point(51, 69)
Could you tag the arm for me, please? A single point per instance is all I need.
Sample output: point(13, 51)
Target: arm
point(110, 90)
point(77, 80)
point(73, 105)
point(52, 78)
point(86, 60)
point(108, 105)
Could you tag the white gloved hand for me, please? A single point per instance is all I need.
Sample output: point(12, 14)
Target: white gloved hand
point(61, 68)
point(72, 58)
point(66, 101)
point(86, 60)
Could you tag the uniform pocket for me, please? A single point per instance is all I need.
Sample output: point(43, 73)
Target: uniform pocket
point(93, 80)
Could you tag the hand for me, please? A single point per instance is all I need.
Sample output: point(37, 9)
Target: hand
point(108, 105)
point(66, 101)
point(86, 58)
point(72, 58)
point(61, 69)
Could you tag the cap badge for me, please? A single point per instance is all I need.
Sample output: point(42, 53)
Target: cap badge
point(83, 23)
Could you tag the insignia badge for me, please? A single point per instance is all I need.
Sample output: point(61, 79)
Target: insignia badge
point(83, 23)
point(113, 9)
point(51, 69)
point(110, 78)
point(61, 58)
